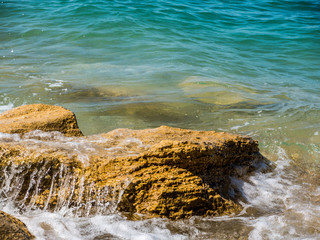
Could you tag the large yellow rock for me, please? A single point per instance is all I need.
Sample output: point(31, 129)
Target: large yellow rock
point(166, 172)
point(39, 117)
point(12, 228)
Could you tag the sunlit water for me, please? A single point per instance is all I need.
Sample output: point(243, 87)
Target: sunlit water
point(248, 67)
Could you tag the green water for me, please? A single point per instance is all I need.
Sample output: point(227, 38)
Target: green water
point(249, 67)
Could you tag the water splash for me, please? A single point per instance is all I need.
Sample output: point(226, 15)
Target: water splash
point(52, 185)
point(283, 204)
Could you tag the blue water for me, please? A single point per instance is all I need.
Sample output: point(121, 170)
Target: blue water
point(220, 65)
point(250, 67)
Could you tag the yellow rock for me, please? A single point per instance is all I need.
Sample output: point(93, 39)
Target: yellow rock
point(39, 117)
point(12, 228)
point(161, 172)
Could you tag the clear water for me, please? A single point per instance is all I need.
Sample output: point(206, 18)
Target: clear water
point(249, 67)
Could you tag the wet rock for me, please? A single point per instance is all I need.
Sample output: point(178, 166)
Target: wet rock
point(12, 228)
point(221, 94)
point(39, 117)
point(156, 112)
point(166, 172)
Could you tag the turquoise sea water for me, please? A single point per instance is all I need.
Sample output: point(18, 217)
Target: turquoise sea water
point(249, 67)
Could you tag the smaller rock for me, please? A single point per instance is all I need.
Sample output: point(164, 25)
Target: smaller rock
point(39, 117)
point(12, 228)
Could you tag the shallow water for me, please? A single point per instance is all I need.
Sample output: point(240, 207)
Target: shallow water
point(250, 68)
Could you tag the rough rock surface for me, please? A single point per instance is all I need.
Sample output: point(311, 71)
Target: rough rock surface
point(39, 117)
point(166, 172)
point(12, 228)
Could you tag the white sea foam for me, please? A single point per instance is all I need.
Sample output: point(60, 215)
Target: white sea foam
point(60, 225)
point(124, 229)
point(56, 83)
point(7, 107)
point(239, 126)
point(6, 137)
point(82, 147)
point(288, 211)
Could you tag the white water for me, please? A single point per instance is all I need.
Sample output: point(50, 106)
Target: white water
point(290, 210)
point(59, 225)
point(4, 108)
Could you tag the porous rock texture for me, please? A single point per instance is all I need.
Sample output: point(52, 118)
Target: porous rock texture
point(161, 172)
point(39, 117)
point(12, 228)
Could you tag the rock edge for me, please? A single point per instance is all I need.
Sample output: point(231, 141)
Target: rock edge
point(13, 228)
point(162, 172)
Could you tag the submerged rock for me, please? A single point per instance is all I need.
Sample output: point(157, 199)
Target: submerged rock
point(166, 172)
point(13, 228)
point(39, 117)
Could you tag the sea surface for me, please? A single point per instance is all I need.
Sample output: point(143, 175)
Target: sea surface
point(247, 67)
